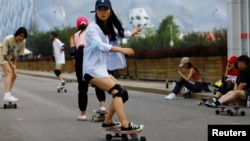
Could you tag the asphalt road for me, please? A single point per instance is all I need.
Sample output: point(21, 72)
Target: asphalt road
point(43, 114)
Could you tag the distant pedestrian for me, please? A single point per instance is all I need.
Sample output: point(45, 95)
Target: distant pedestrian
point(228, 79)
point(11, 47)
point(241, 87)
point(191, 80)
point(59, 56)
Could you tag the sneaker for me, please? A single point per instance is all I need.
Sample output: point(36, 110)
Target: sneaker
point(211, 103)
point(10, 98)
point(132, 128)
point(170, 96)
point(102, 109)
point(112, 125)
point(62, 84)
point(82, 118)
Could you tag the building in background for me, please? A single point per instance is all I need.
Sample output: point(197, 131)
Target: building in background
point(238, 27)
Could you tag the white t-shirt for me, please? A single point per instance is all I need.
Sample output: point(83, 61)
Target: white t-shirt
point(58, 53)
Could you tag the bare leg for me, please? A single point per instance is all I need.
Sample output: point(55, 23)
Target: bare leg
point(232, 96)
point(8, 77)
point(116, 105)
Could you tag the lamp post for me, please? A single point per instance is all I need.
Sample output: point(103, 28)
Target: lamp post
point(54, 18)
point(171, 43)
point(63, 14)
point(213, 17)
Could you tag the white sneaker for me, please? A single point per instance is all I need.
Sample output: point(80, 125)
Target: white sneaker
point(10, 98)
point(102, 109)
point(170, 96)
point(82, 118)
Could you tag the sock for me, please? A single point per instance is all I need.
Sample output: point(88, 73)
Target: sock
point(7, 93)
point(214, 99)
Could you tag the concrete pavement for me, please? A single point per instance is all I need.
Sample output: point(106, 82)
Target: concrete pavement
point(130, 84)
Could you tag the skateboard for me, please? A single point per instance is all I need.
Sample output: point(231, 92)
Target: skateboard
point(186, 95)
point(61, 89)
point(203, 100)
point(99, 117)
point(117, 134)
point(231, 110)
point(8, 104)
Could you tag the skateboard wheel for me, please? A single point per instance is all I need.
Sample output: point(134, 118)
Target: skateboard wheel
point(5, 106)
point(124, 137)
point(217, 112)
point(108, 137)
point(94, 118)
point(242, 113)
point(58, 90)
point(65, 90)
point(230, 113)
point(142, 138)
point(15, 106)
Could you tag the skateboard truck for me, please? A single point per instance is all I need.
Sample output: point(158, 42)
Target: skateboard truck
point(100, 117)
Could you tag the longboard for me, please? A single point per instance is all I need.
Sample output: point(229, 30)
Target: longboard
point(231, 110)
point(99, 117)
point(8, 104)
point(61, 89)
point(124, 136)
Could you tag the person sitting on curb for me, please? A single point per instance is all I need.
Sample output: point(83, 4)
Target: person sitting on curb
point(242, 86)
point(193, 73)
point(228, 79)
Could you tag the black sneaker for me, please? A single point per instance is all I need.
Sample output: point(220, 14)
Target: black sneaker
point(112, 125)
point(132, 128)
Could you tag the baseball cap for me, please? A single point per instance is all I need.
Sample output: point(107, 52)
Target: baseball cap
point(99, 3)
point(232, 59)
point(53, 33)
point(81, 20)
point(184, 60)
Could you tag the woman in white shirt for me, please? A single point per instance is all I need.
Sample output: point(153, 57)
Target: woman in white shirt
point(59, 56)
point(98, 34)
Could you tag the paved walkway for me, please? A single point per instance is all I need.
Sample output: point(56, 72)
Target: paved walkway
point(137, 85)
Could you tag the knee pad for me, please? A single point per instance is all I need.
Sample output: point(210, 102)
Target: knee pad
point(121, 92)
point(57, 72)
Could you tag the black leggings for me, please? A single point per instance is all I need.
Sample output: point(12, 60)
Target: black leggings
point(83, 85)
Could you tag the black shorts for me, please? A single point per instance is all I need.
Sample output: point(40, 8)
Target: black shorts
point(88, 77)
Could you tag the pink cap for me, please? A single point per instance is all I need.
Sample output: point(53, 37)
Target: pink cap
point(81, 20)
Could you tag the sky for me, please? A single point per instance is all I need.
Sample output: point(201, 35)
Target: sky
point(189, 15)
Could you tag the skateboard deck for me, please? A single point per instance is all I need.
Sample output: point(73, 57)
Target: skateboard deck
point(124, 136)
point(61, 89)
point(99, 117)
point(230, 110)
point(203, 100)
point(9, 105)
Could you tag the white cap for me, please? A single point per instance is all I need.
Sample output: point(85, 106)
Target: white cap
point(184, 60)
